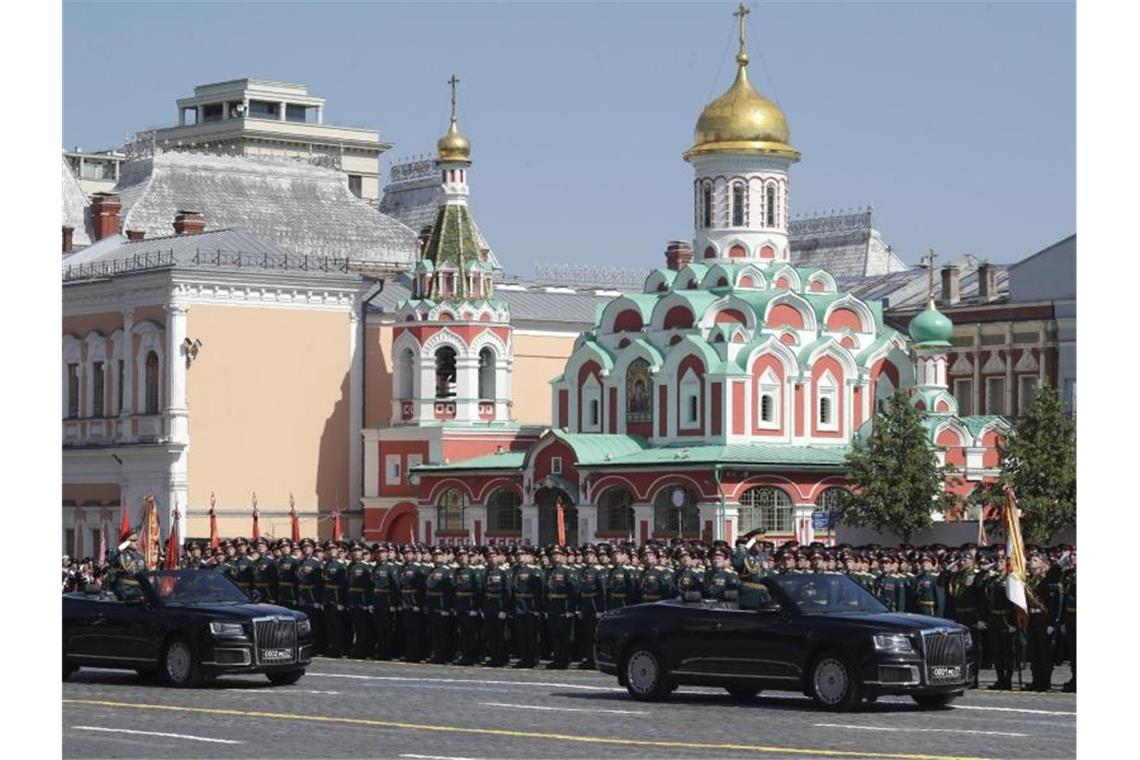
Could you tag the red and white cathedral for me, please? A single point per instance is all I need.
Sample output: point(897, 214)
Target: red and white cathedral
point(722, 398)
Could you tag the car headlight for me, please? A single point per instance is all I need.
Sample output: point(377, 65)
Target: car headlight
point(304, 628)
point(893, 642)
point(226, 629)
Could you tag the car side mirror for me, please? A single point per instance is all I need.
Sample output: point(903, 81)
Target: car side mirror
point(255, 595)
point(692, 596)
point(769, 607)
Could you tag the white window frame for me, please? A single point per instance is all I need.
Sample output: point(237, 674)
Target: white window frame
point(1021, 383)
point(96, 352)
point(556, 465)
point(690, 388)
point(591, 399)
point(393, 476)
point(991, 380)
point(151, 337)
point(768, 385)
point(966, 399)
point(827, 388)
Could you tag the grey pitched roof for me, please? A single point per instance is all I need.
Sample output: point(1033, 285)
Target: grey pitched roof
point(302, 209)
point(845, 244)
point(908, 289)
point(412, 197)
point(75, 212)
point(534, 306)
point(231, 250)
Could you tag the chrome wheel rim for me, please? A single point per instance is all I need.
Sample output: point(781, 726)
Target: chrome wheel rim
point(830, 680)
point(178, 662)
point(642, 671)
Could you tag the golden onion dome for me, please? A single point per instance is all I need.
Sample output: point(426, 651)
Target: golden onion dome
point(742, 121)
point(454, 146)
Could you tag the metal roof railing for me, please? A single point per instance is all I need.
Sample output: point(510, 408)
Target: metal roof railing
point(102, 269)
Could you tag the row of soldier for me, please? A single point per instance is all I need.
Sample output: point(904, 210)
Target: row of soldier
point(481, 604)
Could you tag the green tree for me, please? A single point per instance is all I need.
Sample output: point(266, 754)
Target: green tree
point(1039, 460)
point(895, 475)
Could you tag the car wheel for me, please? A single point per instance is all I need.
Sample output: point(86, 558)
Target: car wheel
point(834, 683)
point(933, 701)
point(68, 668)
point(645, 677)
point(742, 693)
point(286, 677)
point(180, 666)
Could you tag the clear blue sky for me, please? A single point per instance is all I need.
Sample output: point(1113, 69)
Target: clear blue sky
point(957, 121)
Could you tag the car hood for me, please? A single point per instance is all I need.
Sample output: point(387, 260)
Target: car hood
point(903, 622)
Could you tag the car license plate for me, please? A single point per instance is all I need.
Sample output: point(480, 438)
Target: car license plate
point(276, 654)
point(949, 671)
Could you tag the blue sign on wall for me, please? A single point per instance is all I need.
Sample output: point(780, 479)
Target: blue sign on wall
point(821, 519)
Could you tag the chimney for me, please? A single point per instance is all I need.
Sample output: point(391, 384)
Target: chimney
point(105, 214)
point(67, 244)
point(189, 223)
point(987, 282)
point(135, 234)
point(950, 291)
point(678, 253)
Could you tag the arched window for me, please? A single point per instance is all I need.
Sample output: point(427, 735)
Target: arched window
point(449, 513)
point(405, 377)
point(72, 390)
point(638, 392)
point(615, 512)
point(504, 512)
point(675, 512)
point(739, 204)
point(487, 374)
point(770, 206)
point(825, 411)
point(445, 372)
point(151, 383)
point(831, 499)
point(767, 508)
point(706, 206)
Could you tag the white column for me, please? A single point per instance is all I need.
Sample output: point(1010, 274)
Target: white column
point(177, 427)
point(128, 366)
point(642, 513)
point(281, 112)
point(320, 114)
point(802, 515)
point(355, 413)
point(467, 388)
point(424, 368)
point(371, 488)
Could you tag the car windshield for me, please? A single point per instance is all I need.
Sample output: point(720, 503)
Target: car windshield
point(195, 587)
point(826, 594)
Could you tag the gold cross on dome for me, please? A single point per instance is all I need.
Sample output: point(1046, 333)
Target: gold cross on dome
point(742, 10)
point(453, 81)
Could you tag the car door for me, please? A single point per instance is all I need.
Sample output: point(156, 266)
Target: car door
point(127, 630)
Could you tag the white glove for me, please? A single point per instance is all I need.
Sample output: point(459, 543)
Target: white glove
point(1049, 630)
point(319, 606)
point(340, 607)
point(473, 613)
point(502, 616)
point(370, 608)
point(981, 625)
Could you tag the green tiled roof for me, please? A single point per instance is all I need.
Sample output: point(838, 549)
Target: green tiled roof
point(508, 460)
point(453, 239)
point(594, 448)
point(975, 422)
point(743, 454)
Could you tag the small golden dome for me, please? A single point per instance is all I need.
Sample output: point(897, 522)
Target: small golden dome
point(742, 121)
point(454, 146)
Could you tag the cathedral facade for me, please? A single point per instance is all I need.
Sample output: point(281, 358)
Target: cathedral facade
point(721, 399)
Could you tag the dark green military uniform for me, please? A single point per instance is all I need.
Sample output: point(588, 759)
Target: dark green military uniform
point(385, 602)
point(310, 595)
point(1039, 635)
point(966, 605)
point(335, 577)
point(927, 595)
point(413, 617)
point(560, 605)
point(439, 604)
point(1069, 620)
point(657, 583)
point(621, 586)
point(122, 566)
point(265, 578)
point(591, 606)
point(360, 603)
point(244, 573)
point(498, 602)
point(720, 581)
point(1002, 628)
point(529, 588)
point(287, 568)
point(752, 570)
point(468, 609)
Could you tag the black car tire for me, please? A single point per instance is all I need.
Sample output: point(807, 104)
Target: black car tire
point(834, 683)
point(69, 667)
point(933, 701)
point(180, 666)
point(645, 677)
point(285, 678)
point(743, 693)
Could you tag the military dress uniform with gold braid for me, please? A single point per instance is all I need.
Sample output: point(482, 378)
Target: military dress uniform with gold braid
point(891, 591)
point(122, 565)
point(528, 611)
point(360, 599)
point(1039, 636)
point(751, 571)
point(335, 576)
point(243, 573)
point(498, 590)
point(413, 617)
point(265, 578)
point(439, 604)
point(621, 587)
point(965, 604)
point(310, 596)
point(591, 607)
point(468, 609)
point(656, 584)
point(287, 581)
point(560, 604)
point(689, 579)
point(1002, 628)
point(719, 581)
point(385, 600)
point(928, 595)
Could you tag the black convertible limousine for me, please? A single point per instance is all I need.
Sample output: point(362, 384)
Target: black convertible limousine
point(186, 627)
point(816, 633)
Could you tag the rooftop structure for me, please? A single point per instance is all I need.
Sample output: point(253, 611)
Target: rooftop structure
point(257, 117)
point(845, 243)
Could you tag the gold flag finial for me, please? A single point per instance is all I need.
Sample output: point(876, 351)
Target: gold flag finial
point(453, 82)
point(929, 260)
point(742, 10)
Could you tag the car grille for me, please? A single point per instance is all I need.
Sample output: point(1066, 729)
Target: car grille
point(945, 657)
point(275, 640)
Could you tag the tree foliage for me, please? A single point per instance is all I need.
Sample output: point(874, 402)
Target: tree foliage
point(1039, 461)
point(896, 476)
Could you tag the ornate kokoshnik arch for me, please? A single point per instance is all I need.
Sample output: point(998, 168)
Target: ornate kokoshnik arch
point(406, 341)
point(588, 350)
point(772, 346)
point(750, 270)
point(728, 302)
point(850, 302)
point(614, 309)
point(837, 351)
point(795, 284)
point(797, 302)
point(489, 338)
point(954, 424)
point(445, 337)
point(823, 276)
point(638, 349)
